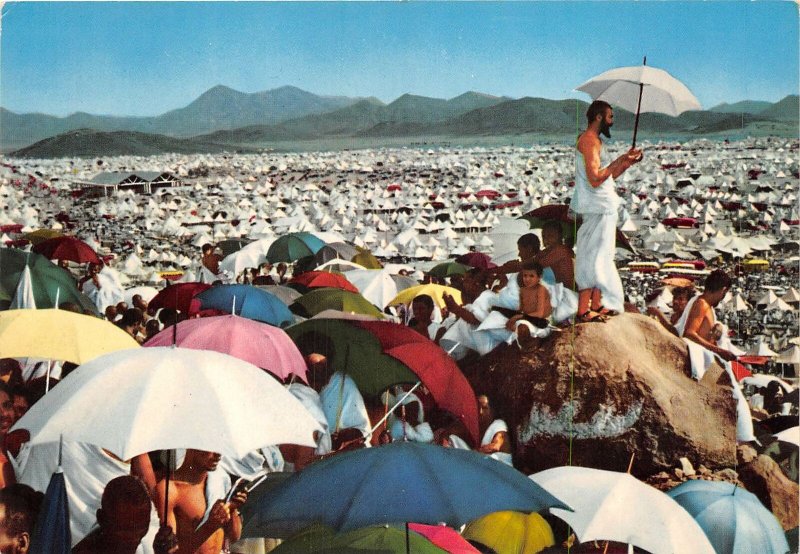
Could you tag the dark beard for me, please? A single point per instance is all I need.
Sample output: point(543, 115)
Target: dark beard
point(605, 130)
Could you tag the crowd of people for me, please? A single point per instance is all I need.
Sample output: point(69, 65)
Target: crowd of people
point(141, 505)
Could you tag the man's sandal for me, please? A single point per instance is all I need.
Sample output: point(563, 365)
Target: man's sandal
point(590, 316)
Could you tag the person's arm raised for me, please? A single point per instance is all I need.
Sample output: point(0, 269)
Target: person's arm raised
point(597, 174)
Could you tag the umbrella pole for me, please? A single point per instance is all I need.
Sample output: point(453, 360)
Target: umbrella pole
point(166, 486)
point(638, 108)
point(408, 545)
point(389, 412)
point(47, 379)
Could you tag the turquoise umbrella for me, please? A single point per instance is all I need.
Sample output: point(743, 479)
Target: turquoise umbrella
point(294, 246)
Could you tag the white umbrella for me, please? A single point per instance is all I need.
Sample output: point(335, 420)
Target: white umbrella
point(145, 399)
point(618, 507)
point(762, 380)
point(641, 89)
point(376, 285)
point(790, 435)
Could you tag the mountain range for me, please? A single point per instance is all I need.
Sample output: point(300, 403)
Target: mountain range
point(226, 119)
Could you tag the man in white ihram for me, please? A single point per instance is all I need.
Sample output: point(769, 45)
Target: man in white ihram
point(595, 199)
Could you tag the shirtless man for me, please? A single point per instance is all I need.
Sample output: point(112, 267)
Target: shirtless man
point(557, 255)
point(595, 199)
point(187, 505)
point(701, 319)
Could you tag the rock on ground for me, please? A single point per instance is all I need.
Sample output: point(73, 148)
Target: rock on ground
point(619, 388)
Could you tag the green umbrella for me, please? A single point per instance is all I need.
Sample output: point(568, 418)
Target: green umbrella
point(50, 282)
point(448, 269)
point(321, 299)
point(294, 246)
point(383, 539)
point(353, 351)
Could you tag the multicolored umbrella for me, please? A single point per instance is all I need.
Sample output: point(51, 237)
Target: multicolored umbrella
point(734, 519)
point(67, 248)
point(379, 354)
point(323, 279)
point(333, 299)
point(59, 335)
point(247, 301)
point(178, 296)
point(511, 532)
point(260, 344)
point(51, 284)
point(293, 246)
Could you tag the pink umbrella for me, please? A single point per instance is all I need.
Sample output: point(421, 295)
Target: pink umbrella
point(260, 344)
point(444, 537)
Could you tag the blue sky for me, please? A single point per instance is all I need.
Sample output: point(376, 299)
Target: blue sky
point(144, 58)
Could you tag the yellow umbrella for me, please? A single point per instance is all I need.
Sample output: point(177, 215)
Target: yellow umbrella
point(434, 291)
point(41, 235)
point(366, 258)
point(59, 335)
point(511, 532)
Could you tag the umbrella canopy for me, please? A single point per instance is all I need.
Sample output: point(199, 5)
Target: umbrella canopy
point(285, 294)
point(560, 212)
point(178, 296)
point(476, 259)
point(260, 344)
point(376, 285)
point(59, 335)
point(511, 532)
point(448, 269)
point(50, 283)
point(147, 294)
point(67, 248)
point(397, 483)
point(229, 246)
point(436, 292)
point(335, 251)
point(333, 299)
point(734, 519)
point(445, 538)
point(293, 246)
point(137, 401)
point(618, 507)
point(323, 279)
point(247, 301)
point(382, 539)
point(366, 259)
point(41, 235)
point(763, 380)
point(379, 354)
point(662, 92)
point(51, 534)
point(790, 435)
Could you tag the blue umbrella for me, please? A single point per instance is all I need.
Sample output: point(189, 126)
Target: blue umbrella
point(397, 483)
point(247, 301)
point(51, 535)
point(293, 246)
point(733, 519)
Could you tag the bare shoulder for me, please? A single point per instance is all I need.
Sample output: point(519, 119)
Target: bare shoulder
point(587, 142)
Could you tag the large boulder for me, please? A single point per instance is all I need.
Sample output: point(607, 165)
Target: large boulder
point(597, 393)
point(764, 478)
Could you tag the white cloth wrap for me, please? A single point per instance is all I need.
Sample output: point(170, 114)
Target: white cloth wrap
point(497, 426)
point(594, 259)
point(311, 402)
point(340, 397)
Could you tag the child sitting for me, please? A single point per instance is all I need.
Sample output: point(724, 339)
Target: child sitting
point(532, 322)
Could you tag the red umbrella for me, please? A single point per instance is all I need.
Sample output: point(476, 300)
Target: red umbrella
point(437, 371)
point(476, 259)
point(178, 296)
point(446, 538)
point(320, 279)
point(67, 248)
point(560, 212)
point(740, 371)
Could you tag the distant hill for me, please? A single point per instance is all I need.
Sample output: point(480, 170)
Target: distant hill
point(90, 143)
point(745, 106)
point(216, 109)
point(787, 109)
point(470, 114)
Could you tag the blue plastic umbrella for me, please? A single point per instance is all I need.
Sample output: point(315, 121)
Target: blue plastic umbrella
point(733, 519)
point(293, 246)
point(247, 301)
point(397, 483)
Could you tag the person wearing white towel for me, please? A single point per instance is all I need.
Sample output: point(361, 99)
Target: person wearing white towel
point(495, 441)
point(595, 199)
point(698, 325)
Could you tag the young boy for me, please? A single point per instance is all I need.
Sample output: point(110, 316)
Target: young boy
point(531, 324)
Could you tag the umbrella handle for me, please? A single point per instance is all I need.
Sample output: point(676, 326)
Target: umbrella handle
point(389, 412)
point(638, 108)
